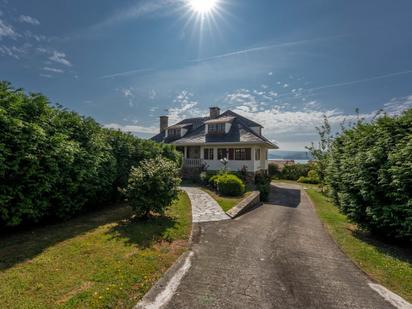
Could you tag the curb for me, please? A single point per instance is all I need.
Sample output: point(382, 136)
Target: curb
point(160, 285)
point(248, 203)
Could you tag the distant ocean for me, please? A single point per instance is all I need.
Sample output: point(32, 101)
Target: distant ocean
point(297, 156)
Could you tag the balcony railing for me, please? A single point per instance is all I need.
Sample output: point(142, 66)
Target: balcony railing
point(192, 162)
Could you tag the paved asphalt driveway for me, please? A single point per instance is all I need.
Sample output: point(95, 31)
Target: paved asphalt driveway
point(276, 256)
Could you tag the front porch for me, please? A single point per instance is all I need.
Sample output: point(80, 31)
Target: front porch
point(251, 158)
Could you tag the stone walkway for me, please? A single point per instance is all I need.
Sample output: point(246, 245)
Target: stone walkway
point(204, 207)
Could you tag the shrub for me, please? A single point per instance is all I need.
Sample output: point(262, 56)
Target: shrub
point(152, 186)
point(273, 170)
point(262, 182)
point(55, 163)
point(213, 181)
point(369, 175)
point(312, 178)
point(230, 185)
point(293, 172)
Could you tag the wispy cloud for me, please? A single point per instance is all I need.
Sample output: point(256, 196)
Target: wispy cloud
point(54, 70)
point(265, 47)
point(138, 10)
point(363, 80)
point(133, 128)
point(7, 30)
point(126, 73)
point(12, 51)
point(60, 57)
point(29, 20)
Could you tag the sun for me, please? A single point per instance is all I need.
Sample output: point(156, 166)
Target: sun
point(203, 7)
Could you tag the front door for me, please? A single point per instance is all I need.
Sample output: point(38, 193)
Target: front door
point(193, 152)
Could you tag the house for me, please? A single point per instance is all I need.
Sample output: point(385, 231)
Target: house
point(207, 141)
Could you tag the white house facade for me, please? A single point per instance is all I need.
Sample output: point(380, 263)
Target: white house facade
point(208, 142)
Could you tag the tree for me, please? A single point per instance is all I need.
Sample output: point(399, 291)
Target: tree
point(320, 152)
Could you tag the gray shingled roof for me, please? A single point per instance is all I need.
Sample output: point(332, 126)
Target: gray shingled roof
point(240, 132)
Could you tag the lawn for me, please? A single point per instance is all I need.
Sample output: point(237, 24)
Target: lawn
point(388, 264)
point(226, 202)
point(102, 259)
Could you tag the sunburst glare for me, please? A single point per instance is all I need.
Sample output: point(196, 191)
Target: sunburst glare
point(203, 7)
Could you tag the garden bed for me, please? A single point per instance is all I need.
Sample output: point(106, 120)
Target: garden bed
point(226, 202)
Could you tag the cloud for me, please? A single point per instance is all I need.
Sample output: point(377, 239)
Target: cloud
point(133, 128)
point(363, 80)
point(126, 73)
point(142, 8)
point(60, 57)
point(7, 30)
point(12, 51)
point(266, 47)
point(53, 70)
point(187, 108)
point(29, 20)
point(46, 75)
point(128, 94)
point(398, 105)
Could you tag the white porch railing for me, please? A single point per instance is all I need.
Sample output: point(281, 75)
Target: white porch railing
point(192, 162)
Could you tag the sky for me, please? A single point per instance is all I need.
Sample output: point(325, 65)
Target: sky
point(282, 63)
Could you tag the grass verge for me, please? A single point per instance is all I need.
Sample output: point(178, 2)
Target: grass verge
point(225, 202)
point(389, 265)
point(99, 260)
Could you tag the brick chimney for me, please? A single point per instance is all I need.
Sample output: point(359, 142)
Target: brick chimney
point(214, 112)
point(164, 123)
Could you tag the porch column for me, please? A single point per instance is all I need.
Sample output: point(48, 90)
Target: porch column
point(185, 155)
point(252, 157)
point(202, 153)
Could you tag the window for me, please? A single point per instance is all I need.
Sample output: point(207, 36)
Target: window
point(257, 154)
point(208, 154)
point(221, 153)
point(216, 128)
point(174, 132)
point(240, 154)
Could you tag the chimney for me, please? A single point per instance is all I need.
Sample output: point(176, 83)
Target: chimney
point(214, 112)
point(164, 123)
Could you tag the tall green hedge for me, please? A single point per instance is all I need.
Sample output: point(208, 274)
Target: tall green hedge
point(369, 174)
point(55, 163)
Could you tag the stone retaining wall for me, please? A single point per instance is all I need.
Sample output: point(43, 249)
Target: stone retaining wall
point(245, 205)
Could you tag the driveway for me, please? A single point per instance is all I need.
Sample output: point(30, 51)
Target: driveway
point(276, 256)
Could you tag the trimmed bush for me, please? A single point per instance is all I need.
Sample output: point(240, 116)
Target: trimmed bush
point(293, 172)
point(153, 186)
point(55, 163)
point(369, 174)
point(229, 185)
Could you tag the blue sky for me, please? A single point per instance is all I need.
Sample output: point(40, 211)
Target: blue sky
point(281, 63)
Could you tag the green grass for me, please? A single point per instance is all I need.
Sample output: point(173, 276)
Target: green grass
point(100, 260)
point(389, 265)
point(226, 202)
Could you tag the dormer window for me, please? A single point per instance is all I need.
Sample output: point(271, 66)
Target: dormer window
point(216, 128)
point(174, 132)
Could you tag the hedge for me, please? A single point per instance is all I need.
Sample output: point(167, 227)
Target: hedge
point(369, 175)
point(55, 163)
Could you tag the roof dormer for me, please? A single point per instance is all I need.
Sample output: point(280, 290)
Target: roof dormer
point(219, 126)
point(178, 130)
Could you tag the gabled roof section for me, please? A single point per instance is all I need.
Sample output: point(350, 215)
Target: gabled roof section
point(246, 121)
point(240, 131)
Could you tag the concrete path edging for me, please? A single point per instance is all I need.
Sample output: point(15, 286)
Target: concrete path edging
point(248, 203)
